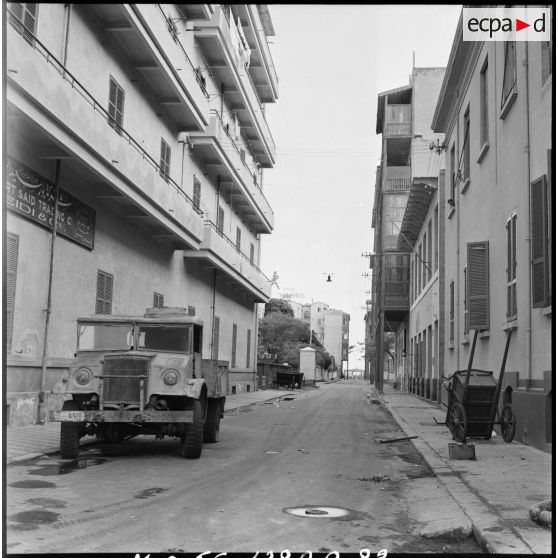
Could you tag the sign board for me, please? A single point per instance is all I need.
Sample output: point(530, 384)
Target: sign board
point(32, 196)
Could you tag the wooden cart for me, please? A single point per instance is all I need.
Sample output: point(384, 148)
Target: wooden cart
point(473, 402)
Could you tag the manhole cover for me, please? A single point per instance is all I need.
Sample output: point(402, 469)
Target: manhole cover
point(318, 511)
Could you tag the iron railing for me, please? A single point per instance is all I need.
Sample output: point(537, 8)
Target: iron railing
point(98, 108)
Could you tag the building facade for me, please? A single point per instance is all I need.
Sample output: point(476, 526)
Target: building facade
point(139, 130)
point(495, 109)
point(313, 314)
point(336, 338)
point(408, 170)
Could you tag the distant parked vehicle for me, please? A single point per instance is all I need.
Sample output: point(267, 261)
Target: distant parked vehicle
point(142, 375)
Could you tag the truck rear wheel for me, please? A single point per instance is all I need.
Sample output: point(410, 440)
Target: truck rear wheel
point(212, 423)
point(191, 443)
point(69, 433)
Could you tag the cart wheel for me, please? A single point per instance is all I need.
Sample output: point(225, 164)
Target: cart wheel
point(458, 422)
point(507, 423)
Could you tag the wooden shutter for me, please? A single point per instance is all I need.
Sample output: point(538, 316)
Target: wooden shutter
point(220, 219)
point(248, 343)
point(103, 304)
point(478, 287)
point(251, 253)
point(539, 243)
point(233, 351)
point(12, 248)
point(238, 237)
point(466, 326)
point(158, 300)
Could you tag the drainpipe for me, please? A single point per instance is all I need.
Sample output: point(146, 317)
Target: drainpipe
point(527, 152)
point(67, 17)
point(457, 322)
point(42, 419)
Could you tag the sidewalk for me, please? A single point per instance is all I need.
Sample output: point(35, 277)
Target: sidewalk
point(495, 491)
point(27, 442)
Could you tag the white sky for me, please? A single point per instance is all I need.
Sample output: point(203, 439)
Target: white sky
point(332, 61)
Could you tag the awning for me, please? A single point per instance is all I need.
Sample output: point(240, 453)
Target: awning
point(421, 194)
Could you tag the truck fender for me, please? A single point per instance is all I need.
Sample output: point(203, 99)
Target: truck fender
point(194, 387)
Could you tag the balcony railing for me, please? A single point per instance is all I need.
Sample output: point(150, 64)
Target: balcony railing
point(228, 251)
point(397, 178)
point(173, 31)
point(397, 120)
point(98, 109)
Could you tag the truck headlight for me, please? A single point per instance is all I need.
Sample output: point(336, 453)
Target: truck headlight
point(83, 376)
point(170, 377)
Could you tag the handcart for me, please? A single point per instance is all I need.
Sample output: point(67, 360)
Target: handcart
point(473, 402)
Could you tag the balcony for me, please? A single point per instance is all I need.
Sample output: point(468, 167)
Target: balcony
point(220, 252)
point(396, 283)
point(226, 60)
point(52, 111)
point(397, 178)
point(239, 183)
point(397, 121)
point(261, 67)
point(146, 35)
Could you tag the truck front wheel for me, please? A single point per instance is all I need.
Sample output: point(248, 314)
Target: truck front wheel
point(191, 442)
point(69, 433)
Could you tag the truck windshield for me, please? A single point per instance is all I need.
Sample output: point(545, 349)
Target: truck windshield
point(165, 338)
point(106, 337)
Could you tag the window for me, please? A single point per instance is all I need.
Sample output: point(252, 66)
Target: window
point(238, 237)
point(466, 146)
point(23, 18)
point(197, 193)
point(511, 269)
point(509, 90)
point(412, 281)
point(158, 300)
point(248, 343)
point(546, 60)
point(103, 304)
point(12, 249)
point(484, 104)
point(220, 219)
point(424, 262)
point(116, 106)
point(233, 350)
point(164, 171)
point(215, 340)
point(539, 243)
point(477, 286)
point(251, 253)
point(429, 260)
point(452, 311)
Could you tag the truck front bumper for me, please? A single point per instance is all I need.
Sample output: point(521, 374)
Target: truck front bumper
point(123, 416)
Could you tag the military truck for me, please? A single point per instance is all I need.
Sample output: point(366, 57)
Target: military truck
point(142, 375)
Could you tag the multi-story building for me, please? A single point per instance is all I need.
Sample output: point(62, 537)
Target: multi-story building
point(495, 109)
point(140, 130)
point(407, 169)
point(336, 337)
point(313, 314)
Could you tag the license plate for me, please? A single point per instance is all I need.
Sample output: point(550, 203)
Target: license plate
point(72, 415)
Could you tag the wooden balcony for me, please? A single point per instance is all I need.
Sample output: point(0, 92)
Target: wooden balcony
point(397, 178)
point(397, 121)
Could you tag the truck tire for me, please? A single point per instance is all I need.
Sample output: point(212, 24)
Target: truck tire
point(191, 443)
point(69, 433)
point(212, 423)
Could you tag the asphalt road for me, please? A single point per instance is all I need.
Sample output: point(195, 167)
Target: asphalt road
point(317, 455)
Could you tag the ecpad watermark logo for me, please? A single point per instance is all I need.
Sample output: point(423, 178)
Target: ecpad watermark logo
point(515, 23)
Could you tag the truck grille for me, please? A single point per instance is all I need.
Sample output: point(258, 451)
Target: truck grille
point(126, 387)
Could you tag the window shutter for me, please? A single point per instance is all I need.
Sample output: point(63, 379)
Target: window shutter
point(509, 72)
point(12, 246)
point(477, 287)
point(103, 304)
point(511, 270)
point(452, 310)
point(539, 243)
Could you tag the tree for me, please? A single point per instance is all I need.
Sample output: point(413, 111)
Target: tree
point(279, 305)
